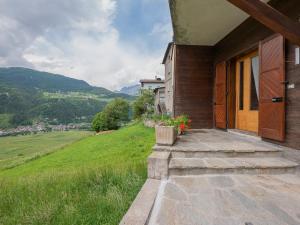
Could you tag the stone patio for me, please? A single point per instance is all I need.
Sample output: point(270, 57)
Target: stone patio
point(228, 200)
point(211, 177)
point(212, 140)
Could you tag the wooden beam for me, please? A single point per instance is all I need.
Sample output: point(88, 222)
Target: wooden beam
point(271, 18)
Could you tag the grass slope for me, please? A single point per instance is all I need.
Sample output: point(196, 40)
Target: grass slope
point(92, 181)
point(18, 150)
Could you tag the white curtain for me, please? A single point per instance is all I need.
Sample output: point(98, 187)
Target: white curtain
point(255, 71)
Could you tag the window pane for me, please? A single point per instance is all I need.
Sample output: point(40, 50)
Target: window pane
point(241, 104)
point(254, 83)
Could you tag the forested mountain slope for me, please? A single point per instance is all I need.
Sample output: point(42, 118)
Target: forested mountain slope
point(28, 96)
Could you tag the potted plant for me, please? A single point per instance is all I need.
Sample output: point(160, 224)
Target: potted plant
point(165, 131)
point(183, 123)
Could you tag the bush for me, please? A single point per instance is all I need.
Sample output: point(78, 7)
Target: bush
point(113, 116)
point(144, 104)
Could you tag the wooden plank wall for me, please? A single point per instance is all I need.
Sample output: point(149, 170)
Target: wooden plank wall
point(246, 38)
point(194, 84)
point(293, 99)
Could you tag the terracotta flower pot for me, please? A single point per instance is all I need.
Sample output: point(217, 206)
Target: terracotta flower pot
point(165, 135)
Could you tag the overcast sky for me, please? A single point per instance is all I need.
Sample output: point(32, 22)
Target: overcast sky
point(109, 43)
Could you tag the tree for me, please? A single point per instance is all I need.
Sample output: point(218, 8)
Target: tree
point(144, 104)
point(113, 116)
point(20, 119)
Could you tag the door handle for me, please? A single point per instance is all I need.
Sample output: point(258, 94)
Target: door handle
point(277, 99)
point(285, 82)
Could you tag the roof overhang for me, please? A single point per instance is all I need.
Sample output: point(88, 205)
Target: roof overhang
point(146, 81)
point(204, 22)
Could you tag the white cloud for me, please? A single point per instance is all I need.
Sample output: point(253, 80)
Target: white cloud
point(75, 38)
point(163, 31)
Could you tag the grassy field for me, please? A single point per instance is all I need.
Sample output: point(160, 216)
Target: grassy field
point(92, 181)
point(76, 95)
point(18, 150)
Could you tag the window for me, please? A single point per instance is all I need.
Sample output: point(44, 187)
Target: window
point(254, 83)
point(241, 97)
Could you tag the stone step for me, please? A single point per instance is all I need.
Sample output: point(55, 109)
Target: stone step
point(206, 152)
point(197, 166)
point(226, 154)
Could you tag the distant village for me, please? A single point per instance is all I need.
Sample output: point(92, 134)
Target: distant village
point(156, 84)
point(42, 127)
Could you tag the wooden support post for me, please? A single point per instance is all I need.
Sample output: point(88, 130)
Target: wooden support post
point(271, 18)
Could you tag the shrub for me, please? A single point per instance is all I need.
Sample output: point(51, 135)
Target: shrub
point(113, 116)
point(144, 104)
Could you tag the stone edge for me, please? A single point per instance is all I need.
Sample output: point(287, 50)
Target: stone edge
point(141, 208)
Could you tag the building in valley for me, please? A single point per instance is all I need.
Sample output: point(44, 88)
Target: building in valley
point(151, 84)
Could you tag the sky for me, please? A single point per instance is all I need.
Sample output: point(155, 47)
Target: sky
point(108, 43)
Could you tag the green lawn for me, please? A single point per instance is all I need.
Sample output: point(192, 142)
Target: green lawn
point(18, 150)
point(92, 181)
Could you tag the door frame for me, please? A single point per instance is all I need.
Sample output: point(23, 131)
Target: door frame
point(247, 85)
point(231, 85)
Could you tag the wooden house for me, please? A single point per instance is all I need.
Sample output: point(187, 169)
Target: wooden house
point(234, 64)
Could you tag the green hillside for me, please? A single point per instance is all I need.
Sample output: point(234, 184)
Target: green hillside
point(92, 181)
point(28, 96)
point(21, 149)
point(24, 78)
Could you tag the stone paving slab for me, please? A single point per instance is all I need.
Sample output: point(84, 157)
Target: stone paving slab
point(228, 200)
point(216, 140)
point(226, 163)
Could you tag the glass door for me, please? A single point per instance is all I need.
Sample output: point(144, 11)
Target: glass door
point(247, 92)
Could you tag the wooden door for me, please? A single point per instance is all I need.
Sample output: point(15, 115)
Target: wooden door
point(247, 82)
point(220, 96)
point(272, 88)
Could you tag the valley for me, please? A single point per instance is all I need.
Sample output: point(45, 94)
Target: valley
point(29, 97)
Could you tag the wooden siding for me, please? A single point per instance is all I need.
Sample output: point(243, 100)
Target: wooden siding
point(246, 38)
point(194, 84)
point(293, 99)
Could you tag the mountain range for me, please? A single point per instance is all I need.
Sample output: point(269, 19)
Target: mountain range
point(131, 90)
point(28, 96)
